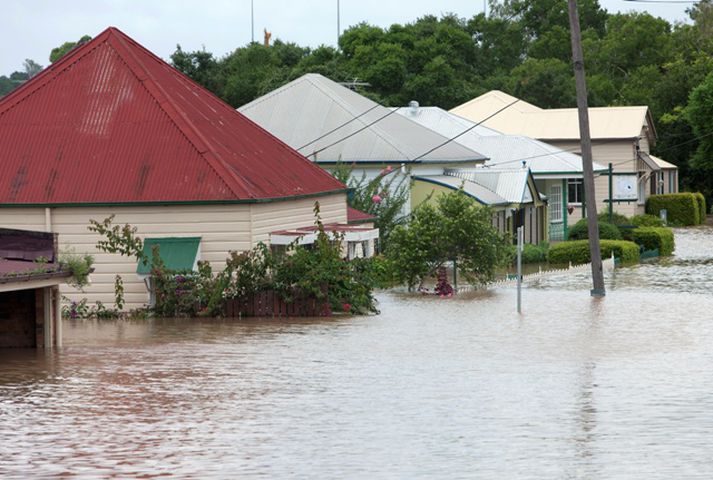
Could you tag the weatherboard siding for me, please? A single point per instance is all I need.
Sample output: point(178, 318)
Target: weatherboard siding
point(222, 228)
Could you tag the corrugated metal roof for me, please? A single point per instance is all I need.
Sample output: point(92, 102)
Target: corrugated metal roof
point(357, 216)
point(501, 150)
point(479, 192)
point(648, 161)
point(111, 122)
point(510, 184)
point(522, 118)
point(349, 127)
point(663, 164)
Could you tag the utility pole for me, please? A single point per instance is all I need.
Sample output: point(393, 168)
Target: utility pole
point(339, 30)
point(252, 21)
point(586, 144)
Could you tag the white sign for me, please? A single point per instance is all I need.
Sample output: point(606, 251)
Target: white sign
point(625, 187)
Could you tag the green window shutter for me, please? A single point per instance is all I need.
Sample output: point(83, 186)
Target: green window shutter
point(177, 253)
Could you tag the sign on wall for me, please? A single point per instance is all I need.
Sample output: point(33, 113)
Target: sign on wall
point(625, 187)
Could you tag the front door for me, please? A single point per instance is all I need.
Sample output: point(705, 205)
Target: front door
point(555, 207)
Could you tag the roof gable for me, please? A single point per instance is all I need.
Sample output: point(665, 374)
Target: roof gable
point(522, 118)
point(328, 122)
point(112, 123)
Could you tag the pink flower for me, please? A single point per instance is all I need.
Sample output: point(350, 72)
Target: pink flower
point(346, 307)
point(376, 199)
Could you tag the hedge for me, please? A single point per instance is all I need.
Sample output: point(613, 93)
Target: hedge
point(682, 208)
point(578, 251)
point(534, 253)
point(655, 238)
point(701, 207)
point(616, 218)
point(646, 220)
point(579, 231)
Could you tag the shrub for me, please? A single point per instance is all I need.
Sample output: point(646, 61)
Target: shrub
point(535, 253)
point(646, 220)
point(655, 238)
point(577, 251)
point(682, 208)
point(606, 231)
point(701, 207)
point(616, 218)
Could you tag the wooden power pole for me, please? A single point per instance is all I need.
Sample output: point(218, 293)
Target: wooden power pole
point(586, 143)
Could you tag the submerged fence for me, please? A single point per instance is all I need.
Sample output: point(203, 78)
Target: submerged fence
point(269, 303)
point(607, 265)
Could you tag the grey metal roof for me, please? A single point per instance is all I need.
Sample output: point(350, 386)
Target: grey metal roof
point(313, 106)
point(481, 193)
point(510, 184)
point(502, 150)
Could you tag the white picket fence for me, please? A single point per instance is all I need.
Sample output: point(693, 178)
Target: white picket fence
point(607, 265)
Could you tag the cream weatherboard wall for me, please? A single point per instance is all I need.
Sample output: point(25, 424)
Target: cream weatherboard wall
point(222, 228)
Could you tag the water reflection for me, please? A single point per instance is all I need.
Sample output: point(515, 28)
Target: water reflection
point(576, 387)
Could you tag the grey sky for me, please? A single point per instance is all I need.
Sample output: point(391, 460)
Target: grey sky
point(31, 28)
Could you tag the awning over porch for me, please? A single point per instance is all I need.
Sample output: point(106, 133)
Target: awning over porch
point(308, 235)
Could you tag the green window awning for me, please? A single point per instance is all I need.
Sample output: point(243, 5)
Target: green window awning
point(178, 253)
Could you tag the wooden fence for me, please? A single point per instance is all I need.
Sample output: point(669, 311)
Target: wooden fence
point(269, 304)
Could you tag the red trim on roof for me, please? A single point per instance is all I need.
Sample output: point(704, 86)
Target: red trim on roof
point(111, 122)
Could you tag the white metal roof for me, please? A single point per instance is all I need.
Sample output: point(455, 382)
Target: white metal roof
point(507, 151)
point(479, 192)
point(510, 184)
point(663, 164)
point(313, 106)
point(522, 118)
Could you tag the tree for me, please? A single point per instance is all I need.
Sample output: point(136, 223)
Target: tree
point(547, 83)
point(384, 197)
point(32, 68)
point(699, 113)
point(200, 66)
point(66, 47)
point(455, 228)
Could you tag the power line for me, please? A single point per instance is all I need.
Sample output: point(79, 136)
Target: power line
point(340, 126)
point(466, 130)
point(391, 112)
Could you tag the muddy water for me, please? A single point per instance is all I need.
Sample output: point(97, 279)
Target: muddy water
point(463, 388)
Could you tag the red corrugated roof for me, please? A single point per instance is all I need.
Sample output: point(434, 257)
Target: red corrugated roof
point(357, 216)
point(113, 123)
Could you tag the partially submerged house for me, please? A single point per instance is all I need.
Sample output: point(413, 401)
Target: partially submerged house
point(332, 125)
point(111, 129)
point(555, 170)
point(621, 136)
point(30, 275)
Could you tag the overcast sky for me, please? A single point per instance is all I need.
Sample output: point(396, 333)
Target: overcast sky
point(31, 28)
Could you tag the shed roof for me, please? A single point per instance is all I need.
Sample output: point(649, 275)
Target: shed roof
point(501, 150)
point(471, 188)
point(355, 216)
point(522, 118)
point(510, 184)
point(328, 122)
point(663, 164)
point(112, 123)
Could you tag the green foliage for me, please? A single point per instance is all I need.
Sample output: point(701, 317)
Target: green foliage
point(682, 208)
point(577, 251)
point(66, 47)
point(646, 220)
point(80, 267)
point(535, 253)
point(456, 228)
point(384, 196)
point(655, 238)
point(607, 231)
point(701, 200)
point(616, 218)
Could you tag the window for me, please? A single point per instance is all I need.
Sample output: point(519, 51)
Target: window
point(176, 253)
point(672, 182)
point(555, 206)
point(575, 190)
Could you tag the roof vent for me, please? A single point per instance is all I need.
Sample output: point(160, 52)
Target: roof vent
point(413, 107)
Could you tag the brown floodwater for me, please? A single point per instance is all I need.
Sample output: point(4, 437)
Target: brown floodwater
point(576, 387)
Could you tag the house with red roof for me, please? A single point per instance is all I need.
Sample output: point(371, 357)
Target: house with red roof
point(111, 129)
